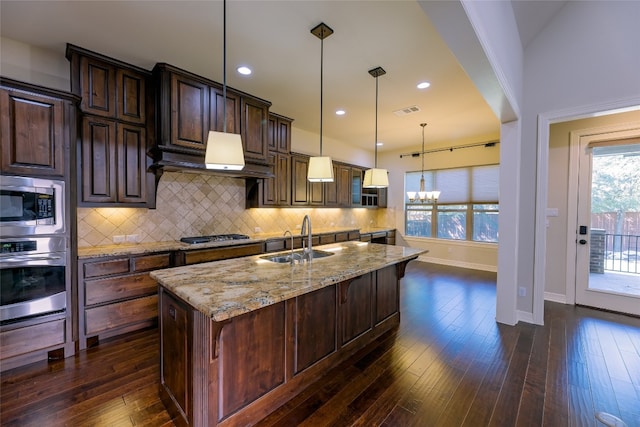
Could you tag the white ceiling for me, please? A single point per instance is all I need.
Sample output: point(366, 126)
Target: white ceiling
point(274, 39)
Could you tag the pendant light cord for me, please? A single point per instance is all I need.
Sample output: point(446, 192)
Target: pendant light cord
point(321, 85)
point(375, 143)
point(224, 66)
point(423, 125)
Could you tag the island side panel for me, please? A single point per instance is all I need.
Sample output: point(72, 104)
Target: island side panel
point(356, 299)
point(188, 362)
point(252, 357)
point(387, 296)
point(315, 327)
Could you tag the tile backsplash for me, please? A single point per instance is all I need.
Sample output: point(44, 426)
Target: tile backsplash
point(191, 204)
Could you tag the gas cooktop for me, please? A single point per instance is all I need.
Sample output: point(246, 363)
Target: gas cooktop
point(213, 238)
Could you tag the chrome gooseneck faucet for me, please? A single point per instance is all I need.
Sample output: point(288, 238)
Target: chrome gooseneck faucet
point(306, 229)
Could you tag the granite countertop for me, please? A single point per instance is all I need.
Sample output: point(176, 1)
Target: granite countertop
point(146, 248)
point(228, 288)
point(175, 245)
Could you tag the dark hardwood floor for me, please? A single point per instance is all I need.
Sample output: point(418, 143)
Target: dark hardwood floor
point(448, 364)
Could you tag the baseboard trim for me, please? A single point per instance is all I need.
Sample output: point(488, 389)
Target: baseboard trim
point(551, 296)
point(524, 316)
point(461, 264)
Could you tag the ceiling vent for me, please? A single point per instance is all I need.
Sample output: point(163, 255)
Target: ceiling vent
point(407, 110)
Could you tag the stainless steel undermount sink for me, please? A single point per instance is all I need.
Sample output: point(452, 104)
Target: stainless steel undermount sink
point(285, 257)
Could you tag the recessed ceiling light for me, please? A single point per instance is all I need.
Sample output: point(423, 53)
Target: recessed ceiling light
point(340, 112)
point(423, 85)
point(245, 71)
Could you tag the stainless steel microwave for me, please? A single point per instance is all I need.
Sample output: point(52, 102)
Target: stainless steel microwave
point(30, 206)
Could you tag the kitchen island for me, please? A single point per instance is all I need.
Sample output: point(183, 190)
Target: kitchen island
point(241, 337)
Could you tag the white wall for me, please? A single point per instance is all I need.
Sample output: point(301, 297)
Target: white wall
point(484, 38)
point(30, 64)
point(584, 58)
point(306, 142)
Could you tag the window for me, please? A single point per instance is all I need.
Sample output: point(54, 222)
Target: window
point(466, 210)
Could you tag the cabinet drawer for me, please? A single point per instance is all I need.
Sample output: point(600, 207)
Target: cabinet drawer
point(204, 255)
point(32, 338)
point(104, 268)
point(121, 314)
point(117, 288)
point(150, 262)
point(354, 235)
point(274, 245)
point(327, 238)
point(342, 237)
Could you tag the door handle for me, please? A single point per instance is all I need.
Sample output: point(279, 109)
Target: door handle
point(582, 242)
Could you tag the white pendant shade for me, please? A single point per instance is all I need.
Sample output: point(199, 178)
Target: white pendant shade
point(224, 151)
point(320, 169)
point(375, 178)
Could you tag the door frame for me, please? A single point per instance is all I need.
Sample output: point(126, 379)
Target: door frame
point(603, 133)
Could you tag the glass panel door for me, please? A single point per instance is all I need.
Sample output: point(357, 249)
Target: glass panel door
point(608, 231)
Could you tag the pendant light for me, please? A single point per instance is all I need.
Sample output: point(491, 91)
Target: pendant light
point(224, 150)
point(423, 196)
point(376, 178)
point(321, 168)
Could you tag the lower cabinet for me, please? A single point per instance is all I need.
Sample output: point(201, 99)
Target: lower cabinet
point(116, 295)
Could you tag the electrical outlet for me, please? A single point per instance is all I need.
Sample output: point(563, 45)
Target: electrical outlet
point(257, 230)
point(132, 238)
point(522, 291)
point(118, 239)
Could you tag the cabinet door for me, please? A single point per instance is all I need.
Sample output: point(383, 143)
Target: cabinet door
point(331, 189)
point(98, 168)
point(131, 90)
point(299, 183)
point(270, 185)
point(356, 187)
point(255, 118)
point(283, 179)
point(98, 83)
point(189, 113)
point(284, 135)
point(272, 133)
point(132, 164)
point(387, 295)
point(33, 133)
point(315, 331)
point(355, 307)
point(344, 185)
point(217, 110)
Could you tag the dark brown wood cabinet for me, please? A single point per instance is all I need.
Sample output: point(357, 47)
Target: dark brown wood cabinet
point(36, 131)
point(279, 133)
point(116, 295)
point(338, 192)
point(117, 131)
point(114, 161)
point(254, 128)
point(111, 91)
point(236, 371)
point(189, 110)
point(299, 183)
point(188, 106)
point(274, 191)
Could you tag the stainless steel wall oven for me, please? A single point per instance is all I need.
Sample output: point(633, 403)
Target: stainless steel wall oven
point(32, 277)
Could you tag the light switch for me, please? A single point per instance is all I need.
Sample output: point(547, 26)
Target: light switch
point(552, 212)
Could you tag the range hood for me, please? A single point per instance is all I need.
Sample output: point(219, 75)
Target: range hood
point(193, 161)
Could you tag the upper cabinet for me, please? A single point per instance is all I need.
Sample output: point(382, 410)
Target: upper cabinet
point(189, 106)
point(36, 124)
point(117, 132)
